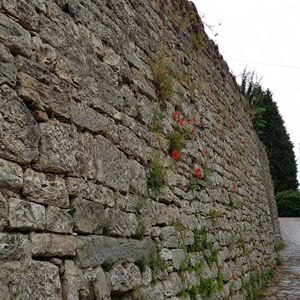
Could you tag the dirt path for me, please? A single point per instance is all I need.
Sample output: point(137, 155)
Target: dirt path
point(287, 284)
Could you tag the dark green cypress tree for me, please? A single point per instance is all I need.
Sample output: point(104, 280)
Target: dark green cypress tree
point(269, 125)
point(280, 151)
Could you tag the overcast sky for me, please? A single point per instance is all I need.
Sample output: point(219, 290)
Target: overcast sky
point(262, 35)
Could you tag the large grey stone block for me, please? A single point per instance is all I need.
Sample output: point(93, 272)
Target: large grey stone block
point(52, 245)
point(3, 212)
point(19, 131)
point(11, 175)
point(57, 148)
point(114, 164)
point(93, 251)
point(25, 215)
point(88, 216)
point(13, 36)
point(8, 70)
point(14, 246)
point(87, 117)
point(47, 189)
point(58, 220)
point(32, 280)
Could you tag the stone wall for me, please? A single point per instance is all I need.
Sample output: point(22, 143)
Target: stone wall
point(94, 203)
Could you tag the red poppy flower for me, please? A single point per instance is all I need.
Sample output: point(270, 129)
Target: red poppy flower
point(175, 115)
point(181, 122)
point(175, 154)
point(234, 188)
point(193, 130)
point(205, 151)
point(198, 173)
point(194, 120)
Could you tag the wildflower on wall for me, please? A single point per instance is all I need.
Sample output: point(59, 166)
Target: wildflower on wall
point(198, 173)
point(205, 151)
point(234, 188)
point(175, 115)
point(175, 154)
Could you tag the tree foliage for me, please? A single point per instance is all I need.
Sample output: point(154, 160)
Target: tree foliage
point(288, 203)
point(270, 127)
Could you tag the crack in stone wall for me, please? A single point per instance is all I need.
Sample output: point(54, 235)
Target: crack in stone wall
point(80, 122)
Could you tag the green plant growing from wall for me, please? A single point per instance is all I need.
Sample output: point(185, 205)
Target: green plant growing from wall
point(141, 228)
point(201, 241)
point(156, 263)
point(213, 216)
point(157, 122)
point(107, 265)
point(212, 258)
point(257, 282)
point(177, 141)
point(192, 183)
point(220, 281)
point(206, 289)
point(157, 175)
point(163, 79)
point(199, 40)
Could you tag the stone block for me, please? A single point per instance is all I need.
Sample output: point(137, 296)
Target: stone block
point(114, 164)
point(14, 36)
point(138, 179)
point(78, 187)
point(88, 216)
point(52, 245)
point(45, 54)
point(47, 189)
point(44, 96)
point(87, 166)
point(93, 251)
point(84, 284)
point(19, 131)
point(124, 278)
point(121, 223)
point(58, 220)
point(31, 280)
point(169, 237)
point(178, 256)
point(14, 246)
point(57, 148)
point(88, 118)
point(96, 283)
point(24, 215)
point(8, 70)
point(172, 285)
point(23, 12)
point(3, 213)
point(11, 175)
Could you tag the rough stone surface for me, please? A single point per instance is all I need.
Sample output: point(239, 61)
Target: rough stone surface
point(18, 130)
point(11, 175)
point(125, 278)
point(88, 216)
point(13, 36)
point(8, 70)
point(57, 150)
point(91, 93)
point(32, 280)
point(114, 164)
point(52, 245)
point(93, 251)
point(14, 246)
point(45, 188)
point(25, 215)
point(58, 220)
point(3, 212)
